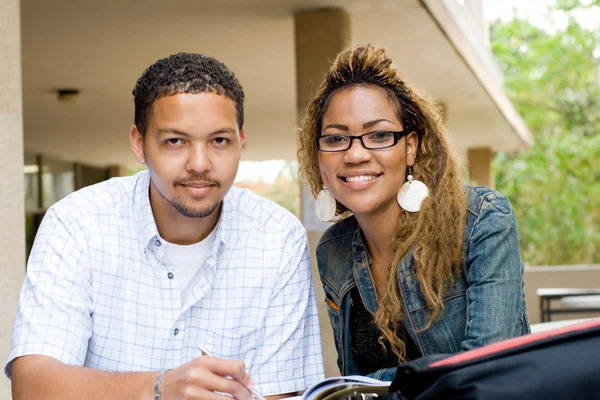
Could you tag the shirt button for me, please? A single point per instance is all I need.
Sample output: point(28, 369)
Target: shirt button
point(170, 275)
point(176, 331)
point(157, 243)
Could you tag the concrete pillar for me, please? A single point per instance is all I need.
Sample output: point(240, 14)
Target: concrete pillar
point(320, 35)
point(480, 166)
point(12, 198)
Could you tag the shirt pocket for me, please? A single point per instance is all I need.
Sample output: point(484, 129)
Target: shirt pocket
point(231, 345)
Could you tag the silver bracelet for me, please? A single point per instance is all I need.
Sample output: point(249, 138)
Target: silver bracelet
point(157, 384)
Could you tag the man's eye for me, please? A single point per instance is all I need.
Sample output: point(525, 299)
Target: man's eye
point(221, 140)
point(174, 141)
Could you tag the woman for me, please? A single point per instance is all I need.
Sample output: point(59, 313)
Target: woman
point(416, 263)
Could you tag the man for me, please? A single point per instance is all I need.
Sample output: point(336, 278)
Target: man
point(128, 278)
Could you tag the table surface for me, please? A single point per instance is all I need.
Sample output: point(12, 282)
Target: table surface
point(546, 326)
point(566, 292)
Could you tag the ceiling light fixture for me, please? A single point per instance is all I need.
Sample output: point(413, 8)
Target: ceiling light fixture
point(68, 95)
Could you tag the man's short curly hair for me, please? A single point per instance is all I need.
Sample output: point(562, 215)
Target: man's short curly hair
point(185, 73)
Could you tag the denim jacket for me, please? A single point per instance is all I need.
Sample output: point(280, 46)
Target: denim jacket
point(486, 304)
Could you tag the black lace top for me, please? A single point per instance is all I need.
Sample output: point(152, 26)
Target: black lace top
point(369, 354)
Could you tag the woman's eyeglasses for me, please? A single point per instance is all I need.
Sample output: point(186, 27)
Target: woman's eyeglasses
point(372, 141)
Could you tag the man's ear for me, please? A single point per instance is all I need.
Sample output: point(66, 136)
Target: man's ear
point(137, 144)
point(243, 137)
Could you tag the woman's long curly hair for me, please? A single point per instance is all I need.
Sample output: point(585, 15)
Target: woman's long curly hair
point(436, 231)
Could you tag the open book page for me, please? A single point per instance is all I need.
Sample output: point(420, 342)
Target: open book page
point(330, 385)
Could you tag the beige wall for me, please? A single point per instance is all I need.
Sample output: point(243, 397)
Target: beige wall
point(12, 236)
point(573, 276)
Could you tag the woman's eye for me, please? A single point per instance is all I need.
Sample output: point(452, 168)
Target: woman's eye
point(382, 136)
point(335, 139)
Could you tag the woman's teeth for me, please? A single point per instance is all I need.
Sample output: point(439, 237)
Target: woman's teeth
point(361, 178)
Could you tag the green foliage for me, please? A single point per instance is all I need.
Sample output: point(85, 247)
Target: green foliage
point(285, 190)
point(135, 170)
point(554, 186)
point(569, 5)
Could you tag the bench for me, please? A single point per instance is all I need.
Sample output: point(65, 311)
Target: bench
point(573, 300)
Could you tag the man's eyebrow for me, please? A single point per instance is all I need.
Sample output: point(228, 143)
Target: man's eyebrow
point(223, 130)
point(173, 131)
point(167, 131)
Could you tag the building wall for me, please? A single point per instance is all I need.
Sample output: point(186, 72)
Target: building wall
point(12, 234)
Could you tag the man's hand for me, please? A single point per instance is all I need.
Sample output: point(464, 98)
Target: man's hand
point(46, 378)
point(203, 376)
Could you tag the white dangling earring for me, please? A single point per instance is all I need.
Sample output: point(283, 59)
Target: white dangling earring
point(412, 193)
point(325, 205)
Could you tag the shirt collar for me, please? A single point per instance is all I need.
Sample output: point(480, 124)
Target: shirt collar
point(143, 210)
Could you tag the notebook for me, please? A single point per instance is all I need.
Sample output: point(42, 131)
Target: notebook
point(330, 385)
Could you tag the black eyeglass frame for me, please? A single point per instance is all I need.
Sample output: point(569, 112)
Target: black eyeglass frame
point(397, 136)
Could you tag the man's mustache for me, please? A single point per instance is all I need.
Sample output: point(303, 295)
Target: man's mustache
point(198, 179)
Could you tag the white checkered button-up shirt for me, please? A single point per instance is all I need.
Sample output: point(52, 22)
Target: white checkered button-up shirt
point(100, 293)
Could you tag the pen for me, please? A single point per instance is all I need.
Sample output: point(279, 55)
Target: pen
point(253, 391)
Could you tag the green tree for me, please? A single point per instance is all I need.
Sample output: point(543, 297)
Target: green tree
point(285, 190)
point(568, 5)
point(551, 77)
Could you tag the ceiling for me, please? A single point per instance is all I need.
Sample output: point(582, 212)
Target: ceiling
point(101, 48)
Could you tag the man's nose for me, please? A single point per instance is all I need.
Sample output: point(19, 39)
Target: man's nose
point(199, 159)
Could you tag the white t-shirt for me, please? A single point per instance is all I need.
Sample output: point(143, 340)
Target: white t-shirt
point(188, 262)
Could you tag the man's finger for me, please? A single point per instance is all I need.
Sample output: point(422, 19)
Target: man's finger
point(225, 376)
point(231, 386)
point(233, 368)
point(217, 383)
